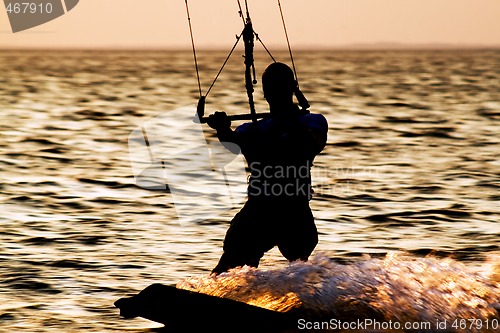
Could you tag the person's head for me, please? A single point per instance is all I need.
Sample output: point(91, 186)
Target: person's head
point(278, 83)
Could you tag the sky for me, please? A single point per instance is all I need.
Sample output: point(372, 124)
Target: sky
point(145, 24)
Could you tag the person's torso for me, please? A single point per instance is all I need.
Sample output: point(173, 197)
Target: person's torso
point(277, 169)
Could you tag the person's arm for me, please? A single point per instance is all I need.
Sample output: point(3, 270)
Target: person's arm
point(221, 123)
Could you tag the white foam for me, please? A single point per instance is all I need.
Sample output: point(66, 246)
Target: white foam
point(398, 287)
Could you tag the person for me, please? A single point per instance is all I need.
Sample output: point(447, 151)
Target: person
point(279, 151)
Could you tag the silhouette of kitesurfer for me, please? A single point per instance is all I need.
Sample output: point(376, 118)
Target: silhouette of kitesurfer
point(279, 151)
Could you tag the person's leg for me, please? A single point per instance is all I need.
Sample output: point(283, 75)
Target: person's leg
point(245, 242)
point(231, 259)
point(298, 235)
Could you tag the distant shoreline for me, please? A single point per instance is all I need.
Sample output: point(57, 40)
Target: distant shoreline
point(352, 47)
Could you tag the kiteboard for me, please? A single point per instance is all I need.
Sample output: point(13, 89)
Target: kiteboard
point(185, 311)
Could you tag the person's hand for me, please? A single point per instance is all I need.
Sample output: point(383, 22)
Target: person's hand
point(219, 120)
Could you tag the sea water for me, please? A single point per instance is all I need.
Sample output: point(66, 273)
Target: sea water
point(406, 191)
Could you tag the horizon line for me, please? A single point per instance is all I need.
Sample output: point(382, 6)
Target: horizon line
point(376, 46)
